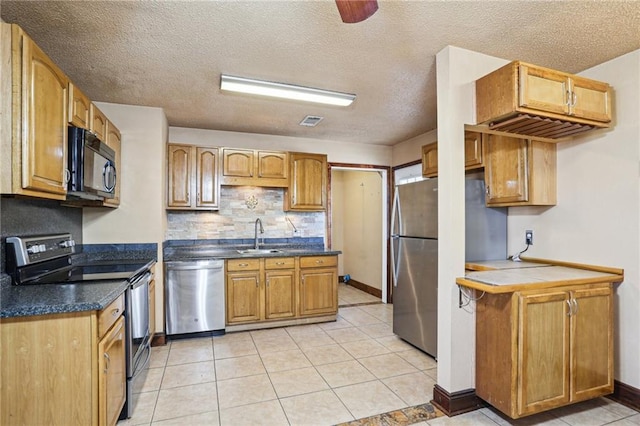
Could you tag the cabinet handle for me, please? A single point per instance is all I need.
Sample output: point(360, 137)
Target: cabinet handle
point(575, 303)
point(486, 191)
point(279, 263)
point(267, 283)
point(568, 99)
point(198, 195)
point(319, 261)
point(303, 280)
point(115, 312)
point(570, 312)
point(257, 284)
point(242, 265)
point(67, 176)
point(574, 96)
point(108, 363)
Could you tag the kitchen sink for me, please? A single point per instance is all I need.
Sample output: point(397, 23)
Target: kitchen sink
point(259, 251)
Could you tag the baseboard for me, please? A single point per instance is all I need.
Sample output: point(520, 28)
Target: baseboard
point(364, 287)
point(456, 403)
point(626, 395)
point(159, 339)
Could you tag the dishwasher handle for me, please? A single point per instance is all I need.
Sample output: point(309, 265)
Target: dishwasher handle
point(190, 266)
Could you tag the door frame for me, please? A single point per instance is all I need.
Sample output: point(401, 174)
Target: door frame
point(385, 171)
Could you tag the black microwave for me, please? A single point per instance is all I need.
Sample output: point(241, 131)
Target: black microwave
point(92, 166)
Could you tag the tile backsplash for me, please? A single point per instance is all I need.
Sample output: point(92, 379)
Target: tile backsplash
point(240, 206)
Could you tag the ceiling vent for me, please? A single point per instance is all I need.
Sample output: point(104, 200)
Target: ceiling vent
point(311, 120)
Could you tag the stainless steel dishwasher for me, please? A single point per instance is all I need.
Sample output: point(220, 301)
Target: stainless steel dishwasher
point(194, 298)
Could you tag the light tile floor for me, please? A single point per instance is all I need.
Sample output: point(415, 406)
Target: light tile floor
point(319, 374)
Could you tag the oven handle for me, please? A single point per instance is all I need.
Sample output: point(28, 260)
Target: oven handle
point(137, 369)
point(141, 280)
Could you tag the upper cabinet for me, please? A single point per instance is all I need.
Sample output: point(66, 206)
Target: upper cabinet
point(519, 172)
point(114, 141)
point(192, 178)
point(472, 154)
point(535, 101)
point(34, 91)
point(430, 160)
point(308, 187)
point(254, 168)
point(97, 122)
point(79, 106)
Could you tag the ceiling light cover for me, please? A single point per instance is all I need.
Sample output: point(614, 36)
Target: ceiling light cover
point(286, 91)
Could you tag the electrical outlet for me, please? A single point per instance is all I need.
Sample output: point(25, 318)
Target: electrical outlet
point(528, 237)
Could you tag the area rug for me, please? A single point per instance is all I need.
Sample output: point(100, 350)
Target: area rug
point(405, 416)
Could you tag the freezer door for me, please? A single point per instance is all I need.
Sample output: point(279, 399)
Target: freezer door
point(416, 212)
point(415, 296)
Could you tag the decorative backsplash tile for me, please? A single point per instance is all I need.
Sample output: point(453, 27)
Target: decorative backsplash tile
point(240, 206)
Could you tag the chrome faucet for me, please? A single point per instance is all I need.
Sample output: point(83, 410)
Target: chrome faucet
point(256, 244)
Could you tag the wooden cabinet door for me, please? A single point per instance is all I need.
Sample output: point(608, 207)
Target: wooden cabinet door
point(506, 169)
point(207, 177)
point(473, 150)
point(273, 165)
point(112, 374)
point(280, 294)
point(79, 106)
point(243, 296)
point(430, 160)
point(591, 343)
point(308, 186)
point(44, 122)
point(318, 291)
point(114, 141)
point(590, 99)
point(238, 162)
point(543, 351)
point(544, 89)
point(97, 122)
point(180, 176)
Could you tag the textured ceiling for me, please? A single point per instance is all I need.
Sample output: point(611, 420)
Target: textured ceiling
point(170, 54)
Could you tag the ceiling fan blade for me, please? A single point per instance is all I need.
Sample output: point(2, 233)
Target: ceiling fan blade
point(352, 11)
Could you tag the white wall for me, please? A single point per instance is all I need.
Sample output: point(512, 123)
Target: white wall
point(597, 219)
point(360, 222)
point(337, 152)
point(141, 216)
point(457, 70)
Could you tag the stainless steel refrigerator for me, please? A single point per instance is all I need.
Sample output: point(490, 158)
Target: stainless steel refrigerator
point(415, 253)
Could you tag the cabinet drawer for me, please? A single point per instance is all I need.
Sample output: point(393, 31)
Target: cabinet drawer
point(109, 315)
point(243, 264)
point(318, 261)
point(279, 262)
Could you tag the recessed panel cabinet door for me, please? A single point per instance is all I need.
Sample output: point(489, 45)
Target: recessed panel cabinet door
point(243, 296)
point(308, 186)
point(44, 126)
point(591, 343)
point(506, 169)
point(430, 160)
point(112, 374)
point(207, 177)
point(590, 99)
point(79, 106)
point(543, 351)
point(273, 165)
point(238, 162)
point(318, 291)
point(280, 294)
point(179, 185)
point(544, 89)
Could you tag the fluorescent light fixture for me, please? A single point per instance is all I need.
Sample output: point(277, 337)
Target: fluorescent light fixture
point(286, 91)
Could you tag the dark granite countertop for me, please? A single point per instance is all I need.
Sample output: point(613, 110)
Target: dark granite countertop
point(42, 299)
point(201, 252)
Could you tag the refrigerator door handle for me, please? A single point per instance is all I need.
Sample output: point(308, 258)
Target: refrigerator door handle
point(395, 225)
point(395, 264)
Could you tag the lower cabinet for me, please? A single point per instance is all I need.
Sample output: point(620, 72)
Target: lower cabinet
point(278, 288)
point(66, 368)
point(542, 349)
point(318, 285)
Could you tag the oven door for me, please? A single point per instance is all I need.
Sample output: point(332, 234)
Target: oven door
point(139, 319)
